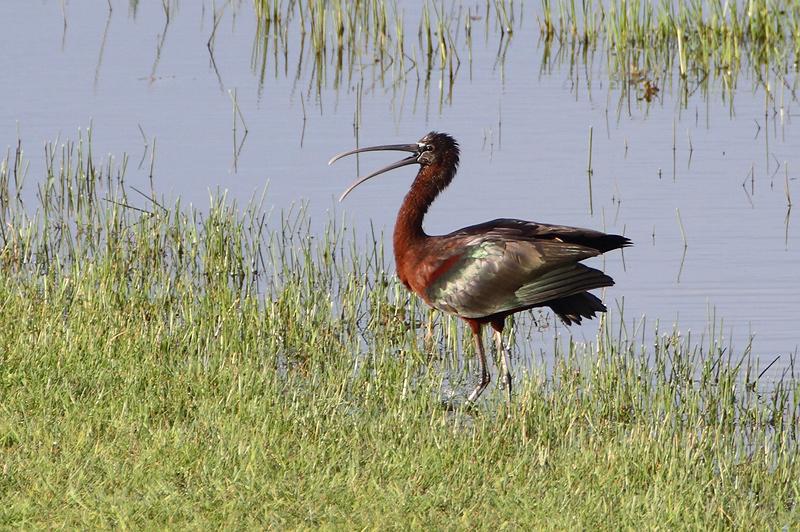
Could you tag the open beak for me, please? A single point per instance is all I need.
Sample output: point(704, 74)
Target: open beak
point(412, 159)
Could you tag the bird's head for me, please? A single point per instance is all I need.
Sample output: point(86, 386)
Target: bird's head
point(434, 149)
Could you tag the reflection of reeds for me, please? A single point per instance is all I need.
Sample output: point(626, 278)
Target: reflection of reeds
point(589, 172)
point(351, 37)
point(238, 117)
point(786, 186)
point(643, 43)
point(705, 37)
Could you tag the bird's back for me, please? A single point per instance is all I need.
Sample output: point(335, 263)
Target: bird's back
point(514, 229)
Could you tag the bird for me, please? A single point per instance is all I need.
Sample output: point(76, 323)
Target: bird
point(486, 272)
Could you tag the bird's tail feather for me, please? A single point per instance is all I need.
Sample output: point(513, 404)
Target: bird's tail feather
point(572, 309)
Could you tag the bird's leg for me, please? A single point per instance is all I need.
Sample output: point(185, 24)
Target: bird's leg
point(485, 378)
point(506, 362)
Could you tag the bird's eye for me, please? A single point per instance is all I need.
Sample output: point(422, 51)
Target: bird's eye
point(428, 147)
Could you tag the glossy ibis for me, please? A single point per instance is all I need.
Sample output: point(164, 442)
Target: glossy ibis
point(488, 271)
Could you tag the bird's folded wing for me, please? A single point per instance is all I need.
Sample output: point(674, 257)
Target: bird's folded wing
point(489, 275)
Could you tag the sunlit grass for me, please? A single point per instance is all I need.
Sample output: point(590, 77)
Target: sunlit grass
point(167, 366)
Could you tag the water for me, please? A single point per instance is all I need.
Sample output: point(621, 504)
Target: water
point(720, 159)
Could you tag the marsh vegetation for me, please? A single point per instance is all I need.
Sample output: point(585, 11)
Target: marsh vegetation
point(171, 362)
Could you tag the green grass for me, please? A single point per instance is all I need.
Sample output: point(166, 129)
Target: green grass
point(182, 368)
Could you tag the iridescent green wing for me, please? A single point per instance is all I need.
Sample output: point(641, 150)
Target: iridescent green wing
point(492, 274)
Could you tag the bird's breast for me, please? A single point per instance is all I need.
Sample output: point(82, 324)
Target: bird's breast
point(418, 270)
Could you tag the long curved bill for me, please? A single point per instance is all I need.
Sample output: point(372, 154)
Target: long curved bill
point(414, 148)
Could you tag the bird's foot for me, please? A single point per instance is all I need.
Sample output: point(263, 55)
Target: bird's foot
point(468, 407)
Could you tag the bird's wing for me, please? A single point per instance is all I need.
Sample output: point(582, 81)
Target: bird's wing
point(512, 229)
point(491, 273)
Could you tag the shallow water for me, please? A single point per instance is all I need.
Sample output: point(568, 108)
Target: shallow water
point(523, 128)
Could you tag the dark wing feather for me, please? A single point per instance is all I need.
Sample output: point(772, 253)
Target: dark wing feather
point(572, 309)
point(507, 265)
point(562, 282)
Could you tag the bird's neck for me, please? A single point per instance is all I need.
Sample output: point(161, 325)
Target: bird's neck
point(408, 231)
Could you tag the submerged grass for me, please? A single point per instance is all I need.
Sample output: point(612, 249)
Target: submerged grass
point(185, 368)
